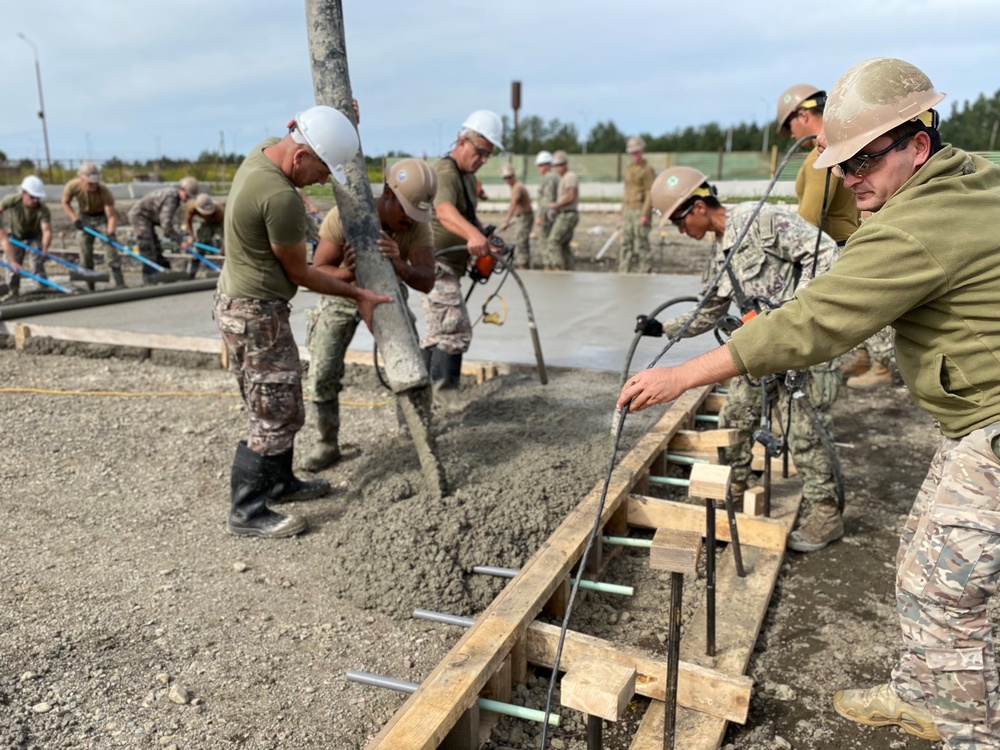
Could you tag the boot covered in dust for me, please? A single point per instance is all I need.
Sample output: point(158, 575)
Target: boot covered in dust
point(446, 376)
point(823, 525)
point(878, 375)
point(858, 365)
point(326, 450)
point(253, 477)
point(289, 488)
point(879, 706)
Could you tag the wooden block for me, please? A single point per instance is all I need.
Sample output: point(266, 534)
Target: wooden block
point(711, 456)
point(21, 334)
point(703, 440)
point(676, 551)
point(556, 605)
point(753, 501)
point(598, 687)
point(617, 525)
point(704, 690)
point(465, 734)
point(709, 481)
point(519, 660)
point(713, 403)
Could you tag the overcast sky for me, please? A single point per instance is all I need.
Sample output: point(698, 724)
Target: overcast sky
point(131, 78)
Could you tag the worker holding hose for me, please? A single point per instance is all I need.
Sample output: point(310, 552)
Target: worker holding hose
point(777, 255)
point(25, 217)
point(449, 328)
point(925, 263)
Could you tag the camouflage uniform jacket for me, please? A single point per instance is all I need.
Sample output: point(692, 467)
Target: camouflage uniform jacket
point(548, 189)
point(774, 259)
point(159, 208)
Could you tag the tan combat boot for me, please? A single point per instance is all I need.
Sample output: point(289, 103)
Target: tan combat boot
point(824, 525)
point(877, 375)
point(857, 366)
point(879, 706)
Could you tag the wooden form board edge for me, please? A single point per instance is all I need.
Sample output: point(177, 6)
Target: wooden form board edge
point(453, 685)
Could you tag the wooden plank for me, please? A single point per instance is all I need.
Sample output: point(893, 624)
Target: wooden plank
point(699, 688)
point(713, 404)
point(654, 513)
point(711, 456)
point(598, 687)
point(737, 627)
point(126, 338)
point(753, 501)
point(708, 481)
point(703, 440)
point(676, 551)
point(451, 688)
point(21, 334)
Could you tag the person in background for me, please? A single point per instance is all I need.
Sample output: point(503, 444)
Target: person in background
point(95, 208)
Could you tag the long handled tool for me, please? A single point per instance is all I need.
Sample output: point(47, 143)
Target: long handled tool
point(162, 274)
point(76, 273)
point(206, 248)
point(40, 279)
point(204, 260)
point(604, 248)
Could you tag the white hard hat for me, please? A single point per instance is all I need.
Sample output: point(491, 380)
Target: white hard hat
point(487, 124)
point(330, 134)
point(544, 157)
point(33, 186)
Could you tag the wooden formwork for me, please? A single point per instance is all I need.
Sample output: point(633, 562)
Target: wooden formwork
point(496, 650)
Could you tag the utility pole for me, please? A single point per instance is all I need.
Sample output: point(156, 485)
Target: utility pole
point(515, 104)
point(41, 103)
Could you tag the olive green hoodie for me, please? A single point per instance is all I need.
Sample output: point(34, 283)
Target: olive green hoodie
point(928, 263)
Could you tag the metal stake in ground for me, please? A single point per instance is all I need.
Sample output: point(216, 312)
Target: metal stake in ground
point(711, 483)
point(394, 332)
point(676, 551)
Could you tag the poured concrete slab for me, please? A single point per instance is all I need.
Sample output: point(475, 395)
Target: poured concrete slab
point(584, 320)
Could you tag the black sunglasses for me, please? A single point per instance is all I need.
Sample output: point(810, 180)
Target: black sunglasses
point(861, 164)
point(679, 219)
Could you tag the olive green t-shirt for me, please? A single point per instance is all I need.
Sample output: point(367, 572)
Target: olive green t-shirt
point(87, 201)
point(263, 208)
point(450, 190)
point(419, 235)
point(22, 222)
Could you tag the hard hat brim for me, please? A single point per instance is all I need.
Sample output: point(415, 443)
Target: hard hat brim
point(338, 173)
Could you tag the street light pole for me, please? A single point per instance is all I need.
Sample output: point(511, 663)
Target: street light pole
point(41, 102)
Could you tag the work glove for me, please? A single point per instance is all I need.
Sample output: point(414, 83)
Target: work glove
point(648, 326)
point(78, 224)
point(111, 236)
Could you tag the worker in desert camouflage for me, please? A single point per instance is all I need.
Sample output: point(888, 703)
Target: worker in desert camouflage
point(634, 255)
point(25, 217)
point(159, 209)
point(204, 222)
point(95, 208)
point(565, 216)
point(520, 215)
point(548, 189)
point(800, 113)
point(405, 211)
point(456, 226)
point(777, 256)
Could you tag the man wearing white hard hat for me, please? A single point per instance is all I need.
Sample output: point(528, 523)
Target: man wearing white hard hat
point(405, 210)
point(449, 328)
point(265, 240)
point(925, 263)
point(25, 217)
point(548, 189)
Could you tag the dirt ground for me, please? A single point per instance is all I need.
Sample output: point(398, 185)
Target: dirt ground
point(130, 619)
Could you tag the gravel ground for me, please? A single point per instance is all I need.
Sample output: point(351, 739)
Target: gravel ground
point(130, 619)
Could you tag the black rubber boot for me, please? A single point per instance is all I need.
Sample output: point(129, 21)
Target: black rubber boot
point(253, 478)
point(289, 488)
point(446, 373)
point(116, 272)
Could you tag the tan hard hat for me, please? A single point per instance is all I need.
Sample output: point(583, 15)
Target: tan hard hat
point(414, 184)
point(189, 185)
point(799, 96)
point(204, 204)
point(559, 158)
point(506, 171)
point(674, 186)
point(89, 171)
point(635, 143)
point(869, 100)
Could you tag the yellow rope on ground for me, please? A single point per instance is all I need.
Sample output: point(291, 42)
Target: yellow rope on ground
point(157, 394)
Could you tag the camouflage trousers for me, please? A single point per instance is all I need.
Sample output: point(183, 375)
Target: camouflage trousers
point(265, 361)
point(149, 244)
point(634, 255)
point(882, 347)
point(37, 262)
point(522, 239)
point(449, 327)
point(558, 253)
point(99, 223)
point(544, 228)
point(205, 234)
point(813, 462)
point(948, 565)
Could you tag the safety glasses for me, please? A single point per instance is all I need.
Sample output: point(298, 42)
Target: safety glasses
point(679, 219)
point(860, 165)
point(482, 153)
